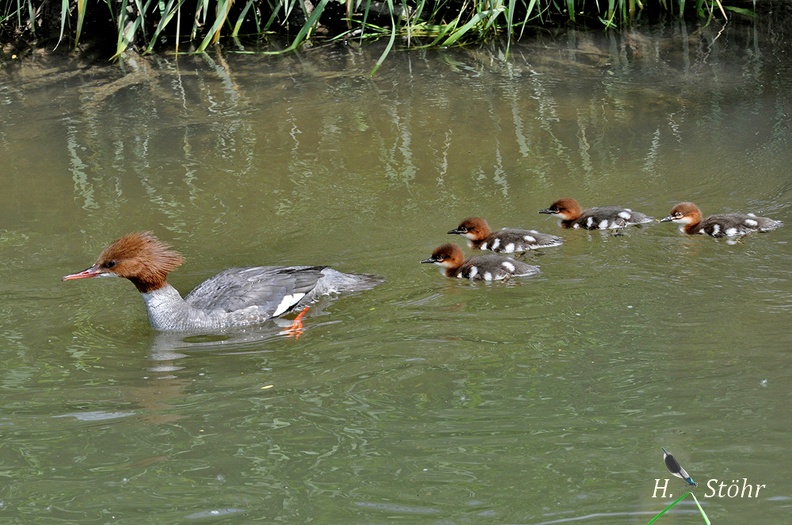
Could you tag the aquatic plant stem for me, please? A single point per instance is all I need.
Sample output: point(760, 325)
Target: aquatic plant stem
point(683, 496)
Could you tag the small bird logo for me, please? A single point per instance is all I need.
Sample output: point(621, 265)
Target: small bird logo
point(676, 469)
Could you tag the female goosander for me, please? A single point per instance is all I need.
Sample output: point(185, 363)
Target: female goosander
point(507, 240)
point(234, 297)
point(600, 218)
point(481, 268)
point(688, 216)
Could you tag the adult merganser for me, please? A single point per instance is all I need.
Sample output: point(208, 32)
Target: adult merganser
point(688, 216)
point(481, 268)
point(600, 218)
point(507, 240)
point(234, 297)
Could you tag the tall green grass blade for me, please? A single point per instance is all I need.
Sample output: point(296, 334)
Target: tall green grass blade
point(257, 20)
point(418, 11)
point(496, 10)
point(31, 17)
point(126, 30)
point(81, 5)
point(178, 28)
point(703, 514)
point(200, 17)
point(15, 13)
point(288, 7)
point(213, 35)
point(365, 19)
point(308, 26)
point(529, 10)
point(111, 11)
point(612, 8)
point(122, 16)
point(740, 11)
point(473, 22)
point(388, 47)
point(683, 496)
point(273, 16)
point(405, 13)
point(241, 18)
point(126, 37)
point(64, 17)
point(509, 25)
point(671, 506)
point(141, 14)
point(225, 5)
point(444, 29)
point(167, 13)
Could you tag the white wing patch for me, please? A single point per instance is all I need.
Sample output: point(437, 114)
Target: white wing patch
point(495, 244)
point(530, 239)
point(473, 272)
point(625, 215)
point(509, 266)
point(751, 223)
point(603, 224)
point(509, 248)
point(287, 302)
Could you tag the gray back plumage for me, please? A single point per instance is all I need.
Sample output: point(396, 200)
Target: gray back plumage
point(261, 286)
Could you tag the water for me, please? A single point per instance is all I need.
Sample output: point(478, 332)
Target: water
point(426, 400)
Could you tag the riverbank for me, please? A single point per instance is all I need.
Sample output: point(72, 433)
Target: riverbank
point(172, 27)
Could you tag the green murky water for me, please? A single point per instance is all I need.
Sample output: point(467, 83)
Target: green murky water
point(426, 400)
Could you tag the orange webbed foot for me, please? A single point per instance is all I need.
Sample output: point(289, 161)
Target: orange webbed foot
point(296, 328)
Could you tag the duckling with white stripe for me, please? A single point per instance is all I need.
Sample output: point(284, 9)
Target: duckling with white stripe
point(730, 225)
point(506, 240)
point(572, 215)
point(479, 268)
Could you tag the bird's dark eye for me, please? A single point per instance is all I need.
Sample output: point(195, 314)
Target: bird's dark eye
point(109, 264)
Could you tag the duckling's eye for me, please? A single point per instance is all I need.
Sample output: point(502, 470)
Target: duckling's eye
point(109, 264)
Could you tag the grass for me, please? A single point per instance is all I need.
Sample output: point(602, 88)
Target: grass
point(173, 25)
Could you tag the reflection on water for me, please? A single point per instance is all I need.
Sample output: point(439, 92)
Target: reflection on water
point(428, 400)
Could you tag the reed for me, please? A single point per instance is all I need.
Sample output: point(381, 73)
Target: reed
point(173, 25)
